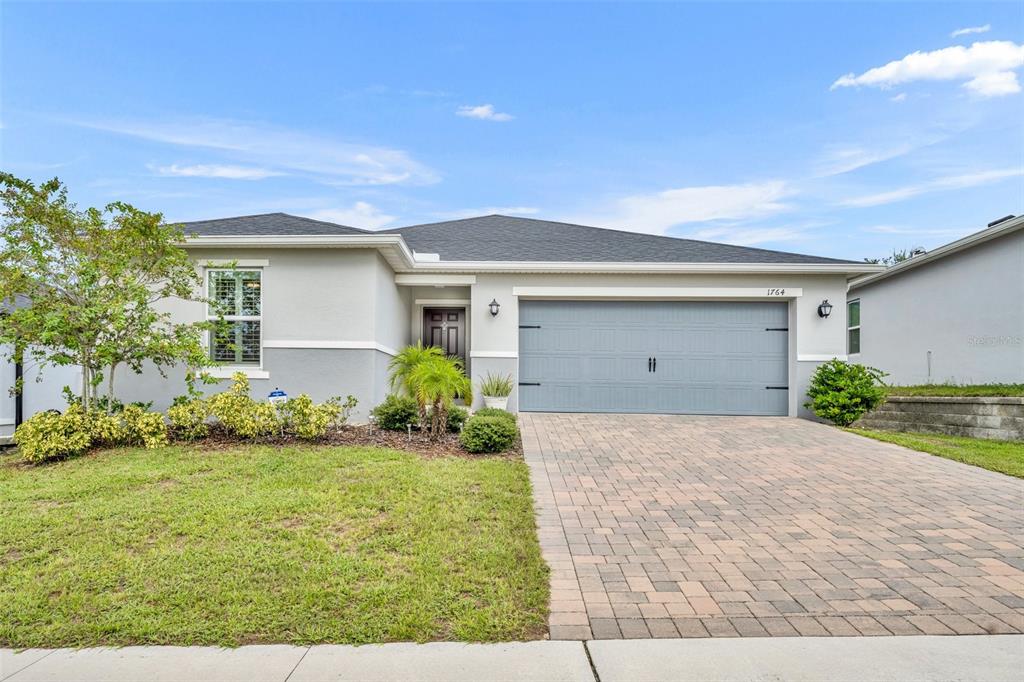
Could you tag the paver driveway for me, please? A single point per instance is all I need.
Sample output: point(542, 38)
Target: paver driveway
point(669, 526)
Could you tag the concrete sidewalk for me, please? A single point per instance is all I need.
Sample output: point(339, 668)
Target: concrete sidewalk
point(924, 659)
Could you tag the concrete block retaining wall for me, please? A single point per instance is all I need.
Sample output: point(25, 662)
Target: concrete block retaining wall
point(995, 418)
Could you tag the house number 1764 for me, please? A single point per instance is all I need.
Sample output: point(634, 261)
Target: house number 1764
point(776, 292)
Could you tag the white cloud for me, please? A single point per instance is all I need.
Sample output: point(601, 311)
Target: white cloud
point(488, 210)
point(657, 212)
point(951, 182)
point(988, 68)
point(282, 150)
point(360, 214)
point(484, 112)
point(994, 84)
point(900, 229)
point(898, 98)
point(968, 30)
point(748, 236)
point(843, 158)
point(216, 171)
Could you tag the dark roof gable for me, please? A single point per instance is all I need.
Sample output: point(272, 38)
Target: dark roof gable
point(266, 224)
point(505, 238)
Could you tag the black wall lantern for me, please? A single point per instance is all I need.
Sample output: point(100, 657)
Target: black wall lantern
point(494, 305)
point(825, 309)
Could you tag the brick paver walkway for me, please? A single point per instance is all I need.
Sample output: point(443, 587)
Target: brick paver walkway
point(677, 526)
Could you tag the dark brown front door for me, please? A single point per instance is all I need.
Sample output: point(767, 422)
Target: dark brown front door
point(446, 327)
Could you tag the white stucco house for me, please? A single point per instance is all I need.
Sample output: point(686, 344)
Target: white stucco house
point(952, 315)
point(584, 319)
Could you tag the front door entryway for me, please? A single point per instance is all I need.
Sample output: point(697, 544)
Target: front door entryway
point(446, 328)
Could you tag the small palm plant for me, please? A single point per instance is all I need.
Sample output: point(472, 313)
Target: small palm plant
point(496, 389)
point(402, 365)
point(496, 385)
point(438, 382)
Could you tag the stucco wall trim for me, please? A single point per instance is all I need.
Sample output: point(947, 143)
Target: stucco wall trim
point(771, 293)
point(344, 345)
point(455, 302)
point(228, 372)
point(825, 357)
point(239, 262)
point(493, 354)
point(434, 280)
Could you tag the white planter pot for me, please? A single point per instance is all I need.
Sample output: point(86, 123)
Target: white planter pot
point(495, 401)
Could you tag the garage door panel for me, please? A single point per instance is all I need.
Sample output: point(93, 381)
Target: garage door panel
point(712, 357)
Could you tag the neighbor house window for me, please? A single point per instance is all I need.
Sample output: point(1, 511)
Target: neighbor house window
point(236, 297)
point(853, 327)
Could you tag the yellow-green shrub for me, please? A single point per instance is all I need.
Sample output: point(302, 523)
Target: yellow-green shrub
point(240, 414)
point(142, 428)
point(48, 435)
point(106, 428)
point(188, 418)
point(308, 420)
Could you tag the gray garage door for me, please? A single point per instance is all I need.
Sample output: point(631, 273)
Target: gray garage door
point(677, 357)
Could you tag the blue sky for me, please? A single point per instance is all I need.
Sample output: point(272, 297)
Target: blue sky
point(802, 127)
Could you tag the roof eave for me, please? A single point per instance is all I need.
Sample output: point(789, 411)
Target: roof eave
point(395, 250)
point(391, 246)
point(646, 267)
point(971, 240)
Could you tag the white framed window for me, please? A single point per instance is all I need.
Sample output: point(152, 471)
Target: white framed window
point(236, 296)
point(853, 326)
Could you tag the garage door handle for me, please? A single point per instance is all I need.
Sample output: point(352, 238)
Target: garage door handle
point(655, 364)
point(649, 361)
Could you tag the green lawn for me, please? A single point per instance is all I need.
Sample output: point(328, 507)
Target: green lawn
point(953, 390)
point(260, 544)
point(1006, 457)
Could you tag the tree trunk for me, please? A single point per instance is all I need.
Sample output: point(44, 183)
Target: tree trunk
point(85, 384)
point(110, 388)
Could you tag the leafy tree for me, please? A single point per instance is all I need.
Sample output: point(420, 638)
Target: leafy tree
point(89, 285)
point(896, 257)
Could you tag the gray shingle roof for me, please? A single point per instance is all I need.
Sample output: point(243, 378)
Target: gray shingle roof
point(504, 238)
point(266, 224)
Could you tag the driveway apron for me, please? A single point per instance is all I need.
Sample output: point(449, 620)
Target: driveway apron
point(687, 526)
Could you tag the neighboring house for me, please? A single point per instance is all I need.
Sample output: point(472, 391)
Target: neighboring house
point(955, 314)
point(585, 319)
point(43, 387)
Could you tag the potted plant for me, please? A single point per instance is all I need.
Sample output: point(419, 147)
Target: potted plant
point(496, 389)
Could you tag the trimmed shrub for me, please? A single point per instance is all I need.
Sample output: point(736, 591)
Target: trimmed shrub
point(50, 435)
point(495, 412)
point(140, 427)
point(396, 412)
point(107, 428)
point(842, 392)
point(188, 418)
point(457, 416)
point(488, 434)
point(240, 414)
point(310, 421)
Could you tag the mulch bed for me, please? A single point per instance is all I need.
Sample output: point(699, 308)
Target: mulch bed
point(418, 442)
